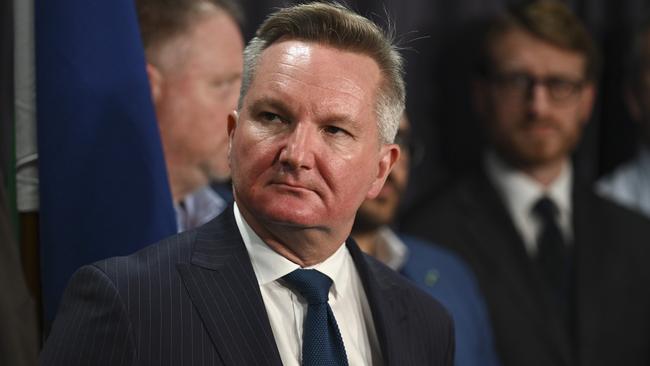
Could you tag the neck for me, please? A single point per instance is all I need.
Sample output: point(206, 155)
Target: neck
point(545, 174)
point(181, 184)
point(305, 246)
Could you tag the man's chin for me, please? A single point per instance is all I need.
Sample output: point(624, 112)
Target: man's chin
point(534, 154)
point(285, 216)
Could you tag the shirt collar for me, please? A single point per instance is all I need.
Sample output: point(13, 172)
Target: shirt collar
point(521, 192)
point(393, 250)
point(270, 266)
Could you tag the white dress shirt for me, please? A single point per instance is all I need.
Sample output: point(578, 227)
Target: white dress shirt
point(520, 193)
point(629, 185)
point(286, 310)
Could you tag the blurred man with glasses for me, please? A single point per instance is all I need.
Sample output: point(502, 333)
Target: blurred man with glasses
point(564, 272)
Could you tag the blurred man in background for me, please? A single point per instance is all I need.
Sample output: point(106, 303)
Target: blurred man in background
point(194, 64)
point(564, 271)
point(434, 269)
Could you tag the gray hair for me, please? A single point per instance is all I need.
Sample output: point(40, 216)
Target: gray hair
point(339, 27)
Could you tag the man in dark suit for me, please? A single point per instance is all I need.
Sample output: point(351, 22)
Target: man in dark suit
point(565, 273)
point(275, 279)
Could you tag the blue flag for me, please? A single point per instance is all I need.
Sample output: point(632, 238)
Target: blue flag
point(103, 182)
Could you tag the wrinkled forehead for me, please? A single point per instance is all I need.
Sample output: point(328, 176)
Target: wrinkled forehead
point(317, 66)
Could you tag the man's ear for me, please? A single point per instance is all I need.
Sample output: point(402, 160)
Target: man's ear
point(389, 153)
point(155, 82)
point(233, 118)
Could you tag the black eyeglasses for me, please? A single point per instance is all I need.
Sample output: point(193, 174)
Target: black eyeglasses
point(520, 85)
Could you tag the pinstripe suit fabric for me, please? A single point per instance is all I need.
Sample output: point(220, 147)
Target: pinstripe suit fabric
point(193, 299)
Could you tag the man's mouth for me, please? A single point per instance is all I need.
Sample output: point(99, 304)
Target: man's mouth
point(540, 128)
point(290, 185)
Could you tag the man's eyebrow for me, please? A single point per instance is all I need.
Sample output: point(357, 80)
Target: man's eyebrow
point(342, 119)
point(269, 102)
point(275, 105)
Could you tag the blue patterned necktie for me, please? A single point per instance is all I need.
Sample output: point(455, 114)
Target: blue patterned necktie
point(321, 339)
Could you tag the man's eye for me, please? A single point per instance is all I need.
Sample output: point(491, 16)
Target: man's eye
point(270, 117)
point(560, 85)
point(520, 81)
point(333, 130)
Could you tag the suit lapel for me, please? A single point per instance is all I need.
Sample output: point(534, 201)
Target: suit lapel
point(591, 265)
point(387, 305)
point(222, 286)
point(489, 217)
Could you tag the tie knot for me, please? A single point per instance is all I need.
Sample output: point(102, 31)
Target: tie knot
point(314, 286)
point(545, 208)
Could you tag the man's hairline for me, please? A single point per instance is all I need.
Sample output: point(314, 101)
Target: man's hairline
point(202, 12)
point(498, 37)
point(381, 85)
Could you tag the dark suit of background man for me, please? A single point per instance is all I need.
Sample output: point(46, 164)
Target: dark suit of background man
point(322, 95)
point(194, 64)
point(565, 273)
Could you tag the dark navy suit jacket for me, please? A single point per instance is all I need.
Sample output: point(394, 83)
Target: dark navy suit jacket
point(193, 299)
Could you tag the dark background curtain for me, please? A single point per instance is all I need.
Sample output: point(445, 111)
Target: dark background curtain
point(438, 39)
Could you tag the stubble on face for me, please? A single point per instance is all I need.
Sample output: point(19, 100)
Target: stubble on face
point(305, 150)
point(538, 131)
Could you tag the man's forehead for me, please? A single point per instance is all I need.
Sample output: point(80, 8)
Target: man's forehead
point(317, 66)
point(296, 49)
point(519, 49)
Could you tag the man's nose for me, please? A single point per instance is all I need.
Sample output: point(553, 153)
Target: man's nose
point(298, 150)
point(539, 102)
